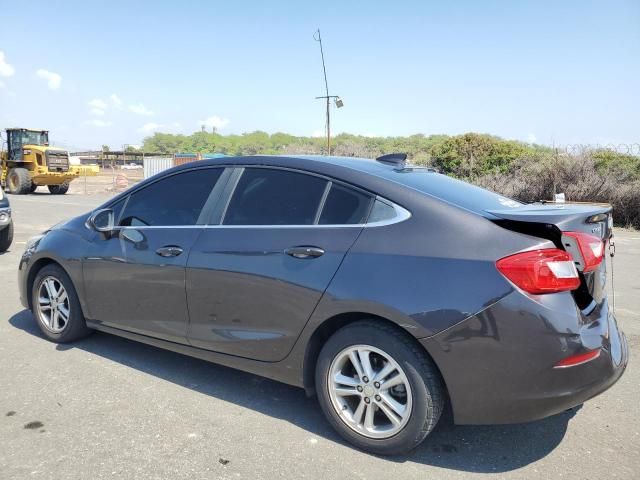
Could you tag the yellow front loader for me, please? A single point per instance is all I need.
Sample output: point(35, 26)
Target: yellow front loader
point(29, 162)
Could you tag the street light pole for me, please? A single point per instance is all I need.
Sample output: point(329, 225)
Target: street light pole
point(327, 97)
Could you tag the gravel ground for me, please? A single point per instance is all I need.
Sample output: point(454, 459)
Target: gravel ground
point(107, 407)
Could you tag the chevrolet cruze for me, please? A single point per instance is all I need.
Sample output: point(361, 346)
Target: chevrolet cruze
point(389, 291)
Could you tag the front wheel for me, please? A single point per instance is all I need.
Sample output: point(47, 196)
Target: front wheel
point(378, 388)
point(18, 181)
point(56, 306)
point(59, 189)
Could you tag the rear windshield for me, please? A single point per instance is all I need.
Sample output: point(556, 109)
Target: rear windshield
point(454, 191)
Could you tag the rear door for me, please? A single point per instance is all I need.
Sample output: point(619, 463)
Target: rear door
point(135, 280)
point(254, 280)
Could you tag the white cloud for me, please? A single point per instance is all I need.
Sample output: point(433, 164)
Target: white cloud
point(531, 138)
point(2, 85)
point(97, 103)
point(149, 127)
point(318, 133)
point(6, 70)
point(97, 107)
point(53, 79)
point(140, 109)
point(214, 122)
point(116, 100)
point(96, 122)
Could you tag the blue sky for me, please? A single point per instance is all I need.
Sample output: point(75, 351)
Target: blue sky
point(112, 72)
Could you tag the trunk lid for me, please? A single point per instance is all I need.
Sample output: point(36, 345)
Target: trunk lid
point(552, 221)
point(592, 218)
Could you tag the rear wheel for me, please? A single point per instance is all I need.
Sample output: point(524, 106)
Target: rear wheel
point(19, 181)
point(59, 189)
point(378, 388)
point(56, 306)
point(6, 237)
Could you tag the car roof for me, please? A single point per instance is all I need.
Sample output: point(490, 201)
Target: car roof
point(317, 163)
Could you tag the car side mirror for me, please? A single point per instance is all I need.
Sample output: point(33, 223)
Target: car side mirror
point(102, 220)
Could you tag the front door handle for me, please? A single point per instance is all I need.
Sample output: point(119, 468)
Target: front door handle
point(304, 252)
point(169, 251)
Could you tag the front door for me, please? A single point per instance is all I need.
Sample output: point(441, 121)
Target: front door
point(135, 280)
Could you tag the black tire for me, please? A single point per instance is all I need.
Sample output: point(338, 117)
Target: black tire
point(75, 328)
point(19, 181)
point(58, 189)
point(6, 237)
point(427, 389)
point(33, 187)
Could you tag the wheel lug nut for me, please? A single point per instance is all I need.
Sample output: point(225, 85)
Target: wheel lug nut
point(365, 379)
point(377, 398)
point(359, 388)
point(366, 400)
point(376, 384)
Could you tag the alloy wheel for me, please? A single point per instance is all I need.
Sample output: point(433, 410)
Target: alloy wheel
point(53, 306)
point(369, 391)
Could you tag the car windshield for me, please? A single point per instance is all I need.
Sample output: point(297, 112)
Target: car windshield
point(34, 138)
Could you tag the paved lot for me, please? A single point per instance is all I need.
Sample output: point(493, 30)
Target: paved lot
point(111, 408)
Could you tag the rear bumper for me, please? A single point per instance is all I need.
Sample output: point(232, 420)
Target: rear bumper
point(498, 364)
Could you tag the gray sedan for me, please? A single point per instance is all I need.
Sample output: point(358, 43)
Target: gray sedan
point(389, 291)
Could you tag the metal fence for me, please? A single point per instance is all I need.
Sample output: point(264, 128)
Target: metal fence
point(581, 148)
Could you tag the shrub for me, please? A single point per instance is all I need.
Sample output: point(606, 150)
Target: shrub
point(583, 178)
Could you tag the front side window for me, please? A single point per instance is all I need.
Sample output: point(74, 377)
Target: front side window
point(174, 200)
point(266, 196)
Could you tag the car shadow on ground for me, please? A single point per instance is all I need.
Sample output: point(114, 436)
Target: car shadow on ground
point(480, 449)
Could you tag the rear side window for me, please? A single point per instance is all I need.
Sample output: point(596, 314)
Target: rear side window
point(174, 200)
point(345, 206)
point(454, 191)
point(275, 197)
point(381, 212)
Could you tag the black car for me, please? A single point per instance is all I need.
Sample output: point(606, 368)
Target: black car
point(6, 223)
point(387, 290)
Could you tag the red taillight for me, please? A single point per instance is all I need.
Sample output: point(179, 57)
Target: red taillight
point(591, 248)
point(541, 271)
point(578, 359)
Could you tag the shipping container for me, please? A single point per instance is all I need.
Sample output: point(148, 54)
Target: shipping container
point(153, 165)
point(208, 156)
point(183, 159)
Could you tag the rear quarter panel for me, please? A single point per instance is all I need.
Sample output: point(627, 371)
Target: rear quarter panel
point(427, 273)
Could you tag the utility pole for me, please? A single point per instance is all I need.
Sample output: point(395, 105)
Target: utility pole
point(327, 97)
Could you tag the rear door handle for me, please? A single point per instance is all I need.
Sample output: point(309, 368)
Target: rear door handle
point(169, 251)
point(304, 252)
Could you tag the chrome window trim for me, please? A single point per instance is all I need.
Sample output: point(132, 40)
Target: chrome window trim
point(402, 214)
